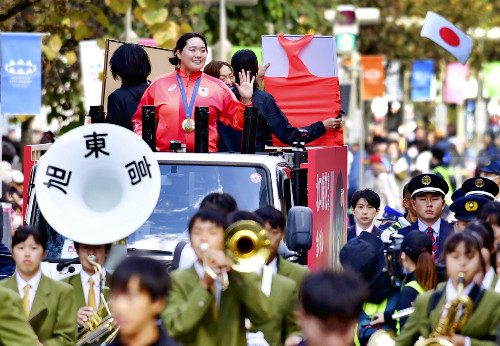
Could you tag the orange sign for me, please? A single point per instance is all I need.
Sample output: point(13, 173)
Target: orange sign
point(373, 76)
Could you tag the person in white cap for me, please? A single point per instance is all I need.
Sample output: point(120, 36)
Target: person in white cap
point(427, 193)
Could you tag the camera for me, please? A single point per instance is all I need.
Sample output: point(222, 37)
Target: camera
point(392, 249)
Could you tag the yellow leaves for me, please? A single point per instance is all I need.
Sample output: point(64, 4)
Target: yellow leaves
point(119, 6)
point(66, 22)
point(185, 27)
point(155, 16)
point(166, 35)
point(82, 31)
point(52, 47)
point(138, 12)
point(70, 57)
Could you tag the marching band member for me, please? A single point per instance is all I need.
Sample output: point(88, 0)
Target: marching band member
point(274, 222)
point(86, 284)
point(484, 230)
point(462, 255)
point(198, 311)
point(39, 292)
point(283, 292)
point(329, 307)
point(138, 288)
point(427, 193)
point(15, 329)
point(176, 94)
point(184, 256)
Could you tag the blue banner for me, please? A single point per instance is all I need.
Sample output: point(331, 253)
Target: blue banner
point(21, 83)
point(421, 80)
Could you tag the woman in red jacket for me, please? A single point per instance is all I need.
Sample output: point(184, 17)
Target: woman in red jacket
point(176, 94)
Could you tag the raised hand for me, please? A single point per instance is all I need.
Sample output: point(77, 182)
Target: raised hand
point(260, 73)
point(245, 88)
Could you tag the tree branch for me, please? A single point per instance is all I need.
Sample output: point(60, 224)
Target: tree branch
point(17, 8)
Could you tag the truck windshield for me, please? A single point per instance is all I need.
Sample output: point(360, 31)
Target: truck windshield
point(183, 187)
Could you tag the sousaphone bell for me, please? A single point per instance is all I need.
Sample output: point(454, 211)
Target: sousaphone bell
point(97, 183)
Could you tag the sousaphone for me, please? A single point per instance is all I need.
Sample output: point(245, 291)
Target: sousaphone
point(97, 183)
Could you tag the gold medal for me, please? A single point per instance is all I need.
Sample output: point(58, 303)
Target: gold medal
point(188, 125)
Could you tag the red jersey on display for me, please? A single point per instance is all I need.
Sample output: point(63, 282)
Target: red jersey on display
point(304, 97)
point(164, 93)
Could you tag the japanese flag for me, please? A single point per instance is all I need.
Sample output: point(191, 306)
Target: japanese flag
point(447, 36)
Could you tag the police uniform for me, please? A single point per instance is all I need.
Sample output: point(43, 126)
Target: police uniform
point(439, 231)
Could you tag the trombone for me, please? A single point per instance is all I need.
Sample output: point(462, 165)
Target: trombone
point(246, 247)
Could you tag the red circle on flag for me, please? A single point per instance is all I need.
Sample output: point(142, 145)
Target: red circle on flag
point(449, 36)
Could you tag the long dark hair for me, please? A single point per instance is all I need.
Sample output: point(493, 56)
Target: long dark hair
point(425, 271)
point(245, 59)
point(181, 43)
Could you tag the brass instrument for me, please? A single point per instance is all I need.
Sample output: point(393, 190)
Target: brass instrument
point(96, 328)
point(451, 320)
point(246, 249)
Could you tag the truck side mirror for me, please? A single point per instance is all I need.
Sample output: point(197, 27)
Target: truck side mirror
point(299, 228)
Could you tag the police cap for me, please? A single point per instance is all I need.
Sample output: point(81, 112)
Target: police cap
point(457, 194)
point(493, 167)
point(483, 187)
point(466, 208)
point(428, 183)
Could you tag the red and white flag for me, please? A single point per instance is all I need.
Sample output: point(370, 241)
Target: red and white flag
point(447, 36)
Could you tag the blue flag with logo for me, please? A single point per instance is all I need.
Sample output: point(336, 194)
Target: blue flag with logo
point(21, 83)
point(421, 80)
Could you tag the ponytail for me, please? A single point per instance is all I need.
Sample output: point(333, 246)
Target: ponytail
point(425, 272)
point(174, 60)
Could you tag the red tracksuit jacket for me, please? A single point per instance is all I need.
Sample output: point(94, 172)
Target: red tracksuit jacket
point(165, 95)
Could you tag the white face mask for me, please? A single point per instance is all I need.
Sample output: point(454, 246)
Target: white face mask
point(412, 152)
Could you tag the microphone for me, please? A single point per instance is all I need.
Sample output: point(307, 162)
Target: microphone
point(60, 266)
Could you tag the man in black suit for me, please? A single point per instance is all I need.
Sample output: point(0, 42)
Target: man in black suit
point(365, 205)
point(427, 193)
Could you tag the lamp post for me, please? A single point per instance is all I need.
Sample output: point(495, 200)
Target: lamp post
point(346, 21)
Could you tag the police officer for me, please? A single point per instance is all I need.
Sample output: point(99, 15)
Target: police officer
point(466, 210)
point(428, 192)
point(480, 186)
point(492, 171)
point(475, 192)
